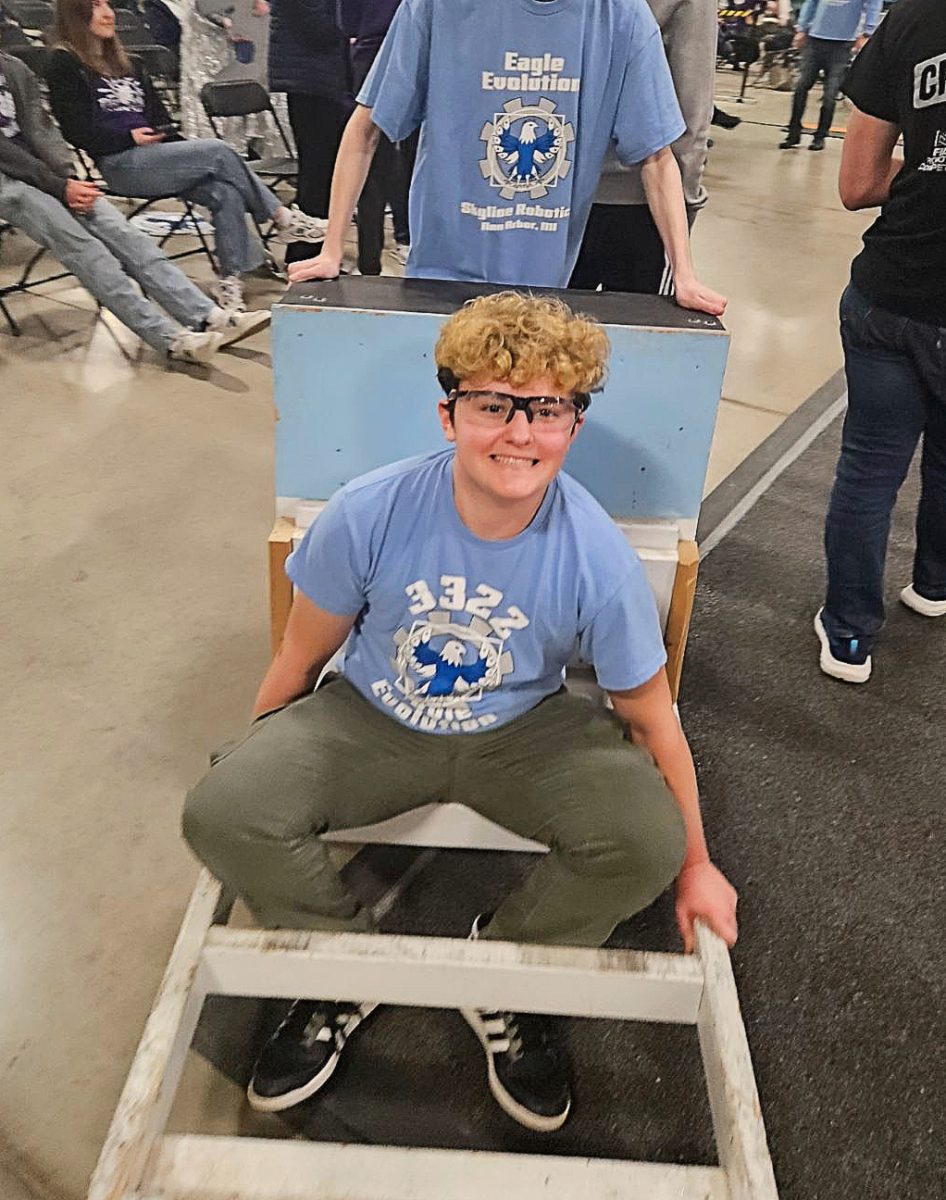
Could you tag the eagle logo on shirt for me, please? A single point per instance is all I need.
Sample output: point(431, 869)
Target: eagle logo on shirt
point(527, 148)
point(441, 662)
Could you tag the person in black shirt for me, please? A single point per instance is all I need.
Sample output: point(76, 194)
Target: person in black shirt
point(893, 328)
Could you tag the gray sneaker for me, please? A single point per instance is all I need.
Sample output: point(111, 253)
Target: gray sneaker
point(234, 326)
point(228, 293)
point(301, 228)
point(195, 346)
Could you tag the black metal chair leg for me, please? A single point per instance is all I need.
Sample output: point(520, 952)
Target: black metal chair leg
point(14, 327)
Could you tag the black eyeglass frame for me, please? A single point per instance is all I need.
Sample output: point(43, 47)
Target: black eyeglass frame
point(579, 402)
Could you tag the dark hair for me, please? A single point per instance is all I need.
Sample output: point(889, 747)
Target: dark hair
point(105, 56)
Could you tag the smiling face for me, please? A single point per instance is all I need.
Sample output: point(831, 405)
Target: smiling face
point(102, 22)
point(510, 467)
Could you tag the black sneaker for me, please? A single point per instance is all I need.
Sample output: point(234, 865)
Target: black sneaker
point(303, 1053)
point(526, 1068)
point(843, 658)
point(817, 142)
point(790, 142)
point(724, 120)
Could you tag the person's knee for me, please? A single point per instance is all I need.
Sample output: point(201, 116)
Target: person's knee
point(645, 841)
point(208, 814)
point(226, 162)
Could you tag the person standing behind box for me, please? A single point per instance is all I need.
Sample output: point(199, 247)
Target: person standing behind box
point(518, 101)
point(828, 31)
point(622, 250)
point(893, 327)
point(308, 60)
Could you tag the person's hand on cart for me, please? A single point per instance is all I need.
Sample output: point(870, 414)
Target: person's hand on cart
point(690, 293)
point(703, 891)
point(323, 266)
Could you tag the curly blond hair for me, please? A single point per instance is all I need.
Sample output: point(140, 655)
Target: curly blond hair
point(515, 337)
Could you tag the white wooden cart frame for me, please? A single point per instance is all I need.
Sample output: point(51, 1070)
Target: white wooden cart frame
point(139, 1161)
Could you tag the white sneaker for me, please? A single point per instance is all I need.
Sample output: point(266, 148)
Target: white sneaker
point(195, 346)
point(234, 326)
point(926, 608)
point(301, 228)
point(845, 658)
point(227, 293)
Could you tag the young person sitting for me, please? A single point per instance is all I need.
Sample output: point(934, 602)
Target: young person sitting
point(517, 103)
point(463, 582)
point(106, 104)
point(40, 195)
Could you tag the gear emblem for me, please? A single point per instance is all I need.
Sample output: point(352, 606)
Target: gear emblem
point(526, 149)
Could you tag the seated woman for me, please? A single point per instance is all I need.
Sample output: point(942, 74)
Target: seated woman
point(91, 238)
point(106, 104)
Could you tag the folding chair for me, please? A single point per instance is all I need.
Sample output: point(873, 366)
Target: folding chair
point(246, 98)
point(672, 364)
point(131, 28)
point(35, 56)
point(34, 17)
point(24, 283)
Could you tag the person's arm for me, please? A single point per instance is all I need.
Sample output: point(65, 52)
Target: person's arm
point(663, 188)
point(702, 890)
point(39, 132)
point(70, 98)
point(312, 637)
point(868, 166)
point(806, 16)
point(690, 39)
point(869, 22)
point(351, 170)
point(19, 163)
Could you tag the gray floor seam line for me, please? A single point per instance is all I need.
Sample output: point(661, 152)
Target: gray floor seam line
point(755, 493)
point(775, 412)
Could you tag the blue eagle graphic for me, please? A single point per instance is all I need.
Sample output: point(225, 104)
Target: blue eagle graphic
point(447, 668)
point(527, 151)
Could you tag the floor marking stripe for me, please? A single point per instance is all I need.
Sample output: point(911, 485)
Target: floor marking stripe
point(755, 493)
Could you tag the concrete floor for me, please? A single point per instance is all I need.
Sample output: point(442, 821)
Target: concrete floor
point(137, 504)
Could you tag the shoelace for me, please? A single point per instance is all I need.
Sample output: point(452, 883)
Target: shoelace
point(321, 1024)
point(525, 1034)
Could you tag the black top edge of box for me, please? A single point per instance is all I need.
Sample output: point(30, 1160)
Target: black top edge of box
point(436, 296)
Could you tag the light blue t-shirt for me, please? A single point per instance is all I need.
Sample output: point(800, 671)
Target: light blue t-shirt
point(839, 20)
point(456, 634)
point(518, 101)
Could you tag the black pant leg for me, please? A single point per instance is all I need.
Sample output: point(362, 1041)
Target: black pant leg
point(317, 126)
point(379, 186)
point(621, 251)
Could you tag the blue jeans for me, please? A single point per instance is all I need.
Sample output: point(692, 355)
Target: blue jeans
point(106, 254)
point(896, 379)
point(205, 171)
point(833, 58)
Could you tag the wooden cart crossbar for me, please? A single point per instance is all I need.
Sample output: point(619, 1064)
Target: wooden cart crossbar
point(140, 1162)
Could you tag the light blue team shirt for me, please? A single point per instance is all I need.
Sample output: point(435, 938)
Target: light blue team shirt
point(518, 101)
point(456, 634)
point(839, 20)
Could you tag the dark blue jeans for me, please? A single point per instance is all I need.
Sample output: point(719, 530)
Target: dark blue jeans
point(896, 380)
point(820, 54)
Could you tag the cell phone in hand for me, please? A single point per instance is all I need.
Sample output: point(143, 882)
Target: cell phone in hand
point(164, 129)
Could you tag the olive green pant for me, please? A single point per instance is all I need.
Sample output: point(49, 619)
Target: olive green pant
point(564, 774)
